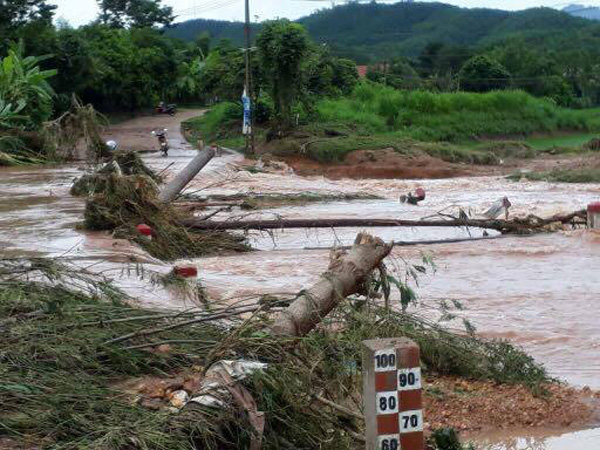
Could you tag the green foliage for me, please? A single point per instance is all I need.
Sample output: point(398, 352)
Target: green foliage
point(326, 75)
point(24, 90)
point(135, 13)
point(539, 71)
point(16, 15)
point(131, 68)
point(482, 74)
point(223, 72)
point(547, 52)
point(451, 117)
point(373, 32)
point(282, 46)
point(399, 75)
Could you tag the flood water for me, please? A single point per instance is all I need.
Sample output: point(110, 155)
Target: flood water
point(542, 292)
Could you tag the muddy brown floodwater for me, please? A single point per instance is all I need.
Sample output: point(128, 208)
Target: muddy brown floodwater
point(542, 292)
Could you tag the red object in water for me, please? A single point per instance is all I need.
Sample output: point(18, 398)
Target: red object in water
point(594, 207)
point(420, 193)
point(186, 271)
point(144, 230)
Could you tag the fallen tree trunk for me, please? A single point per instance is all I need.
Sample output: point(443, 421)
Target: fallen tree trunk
point(346, 274)
point(172, 190)
point(517, 225)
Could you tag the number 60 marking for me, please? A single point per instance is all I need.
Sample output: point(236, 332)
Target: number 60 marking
point(389, 442)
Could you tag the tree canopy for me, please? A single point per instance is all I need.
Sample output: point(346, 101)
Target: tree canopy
point(282, 46)
point(135, 13)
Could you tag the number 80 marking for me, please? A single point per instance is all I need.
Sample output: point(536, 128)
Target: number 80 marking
point(387, 402)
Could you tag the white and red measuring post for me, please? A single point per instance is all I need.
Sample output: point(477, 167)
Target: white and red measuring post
point(393, 403)
point(593, 216)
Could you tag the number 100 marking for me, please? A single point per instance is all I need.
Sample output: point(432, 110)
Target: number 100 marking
point(385, 360)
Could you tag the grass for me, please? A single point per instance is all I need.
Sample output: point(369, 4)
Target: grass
point(222, 124)
point(456, 127)
point(448, 117)
point(586, 175)
point(567, 141)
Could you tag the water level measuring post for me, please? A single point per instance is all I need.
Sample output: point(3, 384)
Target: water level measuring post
point(593, 216)
point(393, 403)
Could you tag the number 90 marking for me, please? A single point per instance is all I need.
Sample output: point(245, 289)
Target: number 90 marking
point(409, 379)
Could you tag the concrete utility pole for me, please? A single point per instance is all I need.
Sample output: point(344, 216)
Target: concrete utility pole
point(248, 82)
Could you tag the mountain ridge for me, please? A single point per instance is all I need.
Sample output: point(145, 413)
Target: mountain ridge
point(372, 31)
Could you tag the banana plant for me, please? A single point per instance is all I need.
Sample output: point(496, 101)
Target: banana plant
point(24, 88)
point(9, 114)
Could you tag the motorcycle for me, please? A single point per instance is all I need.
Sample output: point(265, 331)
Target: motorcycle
point(170, 109)
point(163, 141)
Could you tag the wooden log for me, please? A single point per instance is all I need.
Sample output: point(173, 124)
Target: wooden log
point(346, 273)
point(172, 190)
point(528, 223)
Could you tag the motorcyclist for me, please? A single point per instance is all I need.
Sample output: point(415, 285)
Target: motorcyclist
point(163, 142)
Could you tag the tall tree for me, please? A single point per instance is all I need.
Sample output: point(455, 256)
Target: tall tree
point(135, 13)
point(15, 14)
point(482, 73)
point(283, 46)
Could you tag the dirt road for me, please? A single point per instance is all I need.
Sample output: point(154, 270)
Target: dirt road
point(136, 134)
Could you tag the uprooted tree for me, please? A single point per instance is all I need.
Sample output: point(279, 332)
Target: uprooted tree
point(346, 274)
point(517, 225)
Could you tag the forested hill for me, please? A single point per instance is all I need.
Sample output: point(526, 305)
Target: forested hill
point(373, 31)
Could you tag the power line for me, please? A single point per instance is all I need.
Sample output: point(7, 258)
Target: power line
point(210, 5)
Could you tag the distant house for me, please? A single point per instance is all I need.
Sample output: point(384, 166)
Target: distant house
point(378, 67)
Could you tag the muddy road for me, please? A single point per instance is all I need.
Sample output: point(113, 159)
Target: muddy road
point(542, 292)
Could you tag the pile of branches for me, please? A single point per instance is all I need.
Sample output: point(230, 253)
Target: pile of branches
point(119, 163)
point(124, 194)
point(79, 129)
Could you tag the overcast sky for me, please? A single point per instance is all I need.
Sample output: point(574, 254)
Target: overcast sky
point(78, 12)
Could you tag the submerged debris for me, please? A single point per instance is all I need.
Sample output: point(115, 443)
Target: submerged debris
point(121, 163)
point(79, 130)
point(122, 202)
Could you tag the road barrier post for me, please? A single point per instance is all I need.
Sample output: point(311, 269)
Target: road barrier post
point(393, 403)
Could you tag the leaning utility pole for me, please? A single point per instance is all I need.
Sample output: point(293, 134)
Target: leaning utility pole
point(248, 82)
